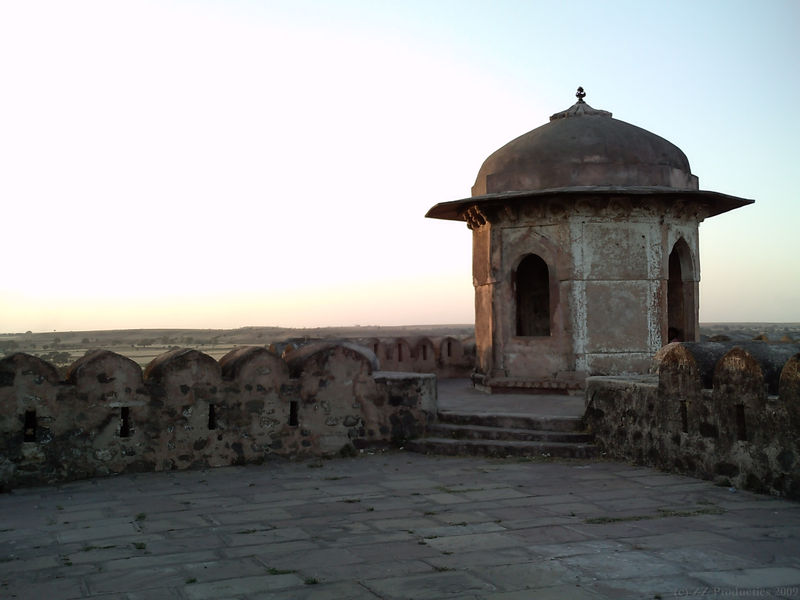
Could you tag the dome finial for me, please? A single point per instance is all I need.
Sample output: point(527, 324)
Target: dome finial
point(580, 108)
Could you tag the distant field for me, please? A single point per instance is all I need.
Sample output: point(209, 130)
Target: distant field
point(142, 345)
point(740, 332)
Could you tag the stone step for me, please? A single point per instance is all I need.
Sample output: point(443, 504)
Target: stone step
point(511, 421)
point(477, 432)
point(500, 448)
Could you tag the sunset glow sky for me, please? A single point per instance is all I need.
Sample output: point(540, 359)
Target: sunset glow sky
point(217, 164)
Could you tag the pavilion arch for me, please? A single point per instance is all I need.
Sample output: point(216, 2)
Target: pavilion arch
point(681, 294)
point(531, 283)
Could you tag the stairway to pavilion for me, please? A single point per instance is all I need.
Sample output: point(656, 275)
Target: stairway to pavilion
point(502, 434)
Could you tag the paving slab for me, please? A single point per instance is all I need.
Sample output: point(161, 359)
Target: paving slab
point(430, 586)
point(398, 526)
point(556, 592)
point(345, 590)
point(459, 395)
point(240, 586)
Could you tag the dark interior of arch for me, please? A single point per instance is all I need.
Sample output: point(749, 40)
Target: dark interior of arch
point(675, 308)
point(533, 297)
point(681, 300)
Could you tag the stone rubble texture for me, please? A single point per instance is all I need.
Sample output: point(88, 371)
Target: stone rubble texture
point(189, 411)
point(720, 411)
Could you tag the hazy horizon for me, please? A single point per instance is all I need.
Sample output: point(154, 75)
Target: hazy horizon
point(706, 324)
point(208, 164)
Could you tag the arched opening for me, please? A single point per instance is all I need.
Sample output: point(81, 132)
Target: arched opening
point(533, 297)
point(680, 294)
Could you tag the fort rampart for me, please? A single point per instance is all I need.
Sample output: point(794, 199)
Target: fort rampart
point(446, 356)
point(187, 410)
point(720, 411)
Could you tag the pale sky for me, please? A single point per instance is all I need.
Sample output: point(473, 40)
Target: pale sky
point(227, 163)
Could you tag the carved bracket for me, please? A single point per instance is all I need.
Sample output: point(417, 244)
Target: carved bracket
point(475, 218)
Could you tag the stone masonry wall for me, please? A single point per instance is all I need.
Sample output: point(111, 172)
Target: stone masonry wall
point(446, 357)
point(186, 410)
point(720, 411)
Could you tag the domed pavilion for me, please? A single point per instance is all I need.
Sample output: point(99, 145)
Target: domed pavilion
point(584, 251)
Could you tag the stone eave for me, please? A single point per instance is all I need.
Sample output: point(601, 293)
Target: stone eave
point(715, 202)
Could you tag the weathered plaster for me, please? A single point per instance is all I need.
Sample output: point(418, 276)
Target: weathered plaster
point(608, 260)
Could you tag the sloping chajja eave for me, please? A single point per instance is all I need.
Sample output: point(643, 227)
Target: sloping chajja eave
point(711, 203)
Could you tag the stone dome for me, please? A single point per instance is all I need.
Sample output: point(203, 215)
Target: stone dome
point(584, 147)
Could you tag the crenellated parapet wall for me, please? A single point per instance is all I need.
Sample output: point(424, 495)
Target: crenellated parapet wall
point(446, 356)
point(186, 410)
point(720, 411)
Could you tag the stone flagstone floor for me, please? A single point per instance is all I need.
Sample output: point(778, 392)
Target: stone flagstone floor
point(397, 526)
